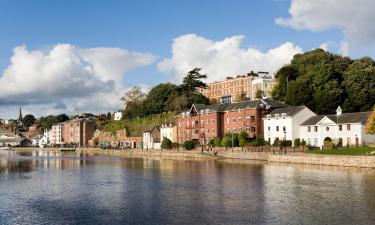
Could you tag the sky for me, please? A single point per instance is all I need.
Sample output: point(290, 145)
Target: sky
point(76, 56)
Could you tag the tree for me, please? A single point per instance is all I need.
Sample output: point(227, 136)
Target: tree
point(226, 141)
point(297, 142)
point(193, 80)
point(28, 120)
point(243, 135)
point(166, 143)
point(370, 126)
point(259, 94)
point(61, 118)
point(303, 143)
point(243, 142)
point(217, 142)
point(135, 95)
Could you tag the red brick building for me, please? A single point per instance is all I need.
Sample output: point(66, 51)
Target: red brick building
point(205, 122)
point(78, 131)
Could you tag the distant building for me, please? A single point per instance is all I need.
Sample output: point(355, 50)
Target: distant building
point(46, 139)
point(151, 138)
point(78, 131)
point(284, 123)
point(117, 115)
point(168, 130)
point(344, 128)
point(235, 89)
point(57, 134)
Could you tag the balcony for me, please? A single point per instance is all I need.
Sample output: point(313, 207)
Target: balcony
point(195, 126)
point(249, 122)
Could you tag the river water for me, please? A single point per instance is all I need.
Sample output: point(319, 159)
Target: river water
point(55, 188)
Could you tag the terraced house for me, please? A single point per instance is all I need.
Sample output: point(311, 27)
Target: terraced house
point(202, 123)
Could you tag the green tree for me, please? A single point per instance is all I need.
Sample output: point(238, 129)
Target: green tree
point(243, 142)
point(259, 141)
point(370, 126)
point(28, 120)
point(166, 143)
point(259, 94)
point(226, 141)
point(297, 142)
point(193, 80)
point(359, 85)
point(217, 142)
point(303, 143)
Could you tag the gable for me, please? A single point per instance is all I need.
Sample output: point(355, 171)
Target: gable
point(326, 121)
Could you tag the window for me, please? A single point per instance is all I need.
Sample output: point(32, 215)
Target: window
point(239, 119)
point(315, 141)
point(208, 130)
point(277, 128)
point(202, 122)
point(252, 129)
point(233, 120)
point(308, 129)
point(227, 120)
point(315, 128)
point(340, 127)
point(308, 141)
point(213, 121)
point(252, 118)
point(327, 128)
point(284, 128)
point(348, 127)
point(213, 130)
point(269, 128)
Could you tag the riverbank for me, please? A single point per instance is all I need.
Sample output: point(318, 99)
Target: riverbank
point(295, 158)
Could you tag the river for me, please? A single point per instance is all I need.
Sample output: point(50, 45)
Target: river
point(53, 188)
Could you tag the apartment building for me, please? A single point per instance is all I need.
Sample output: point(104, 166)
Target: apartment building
point(235, 89)
point(78, 131)
point(204, 122)
point(57, 134)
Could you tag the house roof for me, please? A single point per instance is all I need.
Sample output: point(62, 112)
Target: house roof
point(261, 103)
point(289, 111)
point(358, 117)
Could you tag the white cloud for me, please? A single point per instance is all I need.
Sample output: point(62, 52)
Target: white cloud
point(324, 46)
point(220, 59)
point(80, 79)
point(354, 17)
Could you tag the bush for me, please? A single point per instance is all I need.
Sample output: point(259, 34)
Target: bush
point(243, 142)
point(285, 143)
point(329, 145)
point(243, 135)
point(259, 141)
point(276, 142)
point(297, 142)
point(188, 145)
point(166, 143)
point(217, 142)
point(303, 143)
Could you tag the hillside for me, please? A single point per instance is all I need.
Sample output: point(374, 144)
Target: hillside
point(136, 126)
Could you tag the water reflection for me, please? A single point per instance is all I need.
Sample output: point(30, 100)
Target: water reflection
point(80, 188)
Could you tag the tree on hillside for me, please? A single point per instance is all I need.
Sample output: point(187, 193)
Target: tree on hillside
point(322, 81)
point(135, 95)
point(193, 80)
point(28, 120)
point(370, 126)
point(48, 121)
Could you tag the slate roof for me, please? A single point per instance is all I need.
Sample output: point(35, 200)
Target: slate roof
point(289, 111)
point(358, 117)
point(240, 105)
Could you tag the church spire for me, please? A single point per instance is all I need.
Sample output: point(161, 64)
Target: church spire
point(20, 116)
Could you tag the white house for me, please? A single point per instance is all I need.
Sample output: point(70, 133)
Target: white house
point(46, 139)
point(344, 128)
point(169, 131)
point(117, 115)
point(57, 134)
point(147, 140)
point(283, 123)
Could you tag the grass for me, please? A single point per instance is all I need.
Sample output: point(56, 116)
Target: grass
point(345, 151)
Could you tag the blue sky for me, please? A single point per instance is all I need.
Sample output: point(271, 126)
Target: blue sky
point(150, 27)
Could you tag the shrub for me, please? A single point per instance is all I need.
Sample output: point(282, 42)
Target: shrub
point(297, 142)
point(188, 145)
point(243, 142)
point(217, 142)
point(259, 141)
point(303, 143)
point(243, 135)
point(276, 142)
point(285, 143)
point(166, 143)
point(328, 145)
